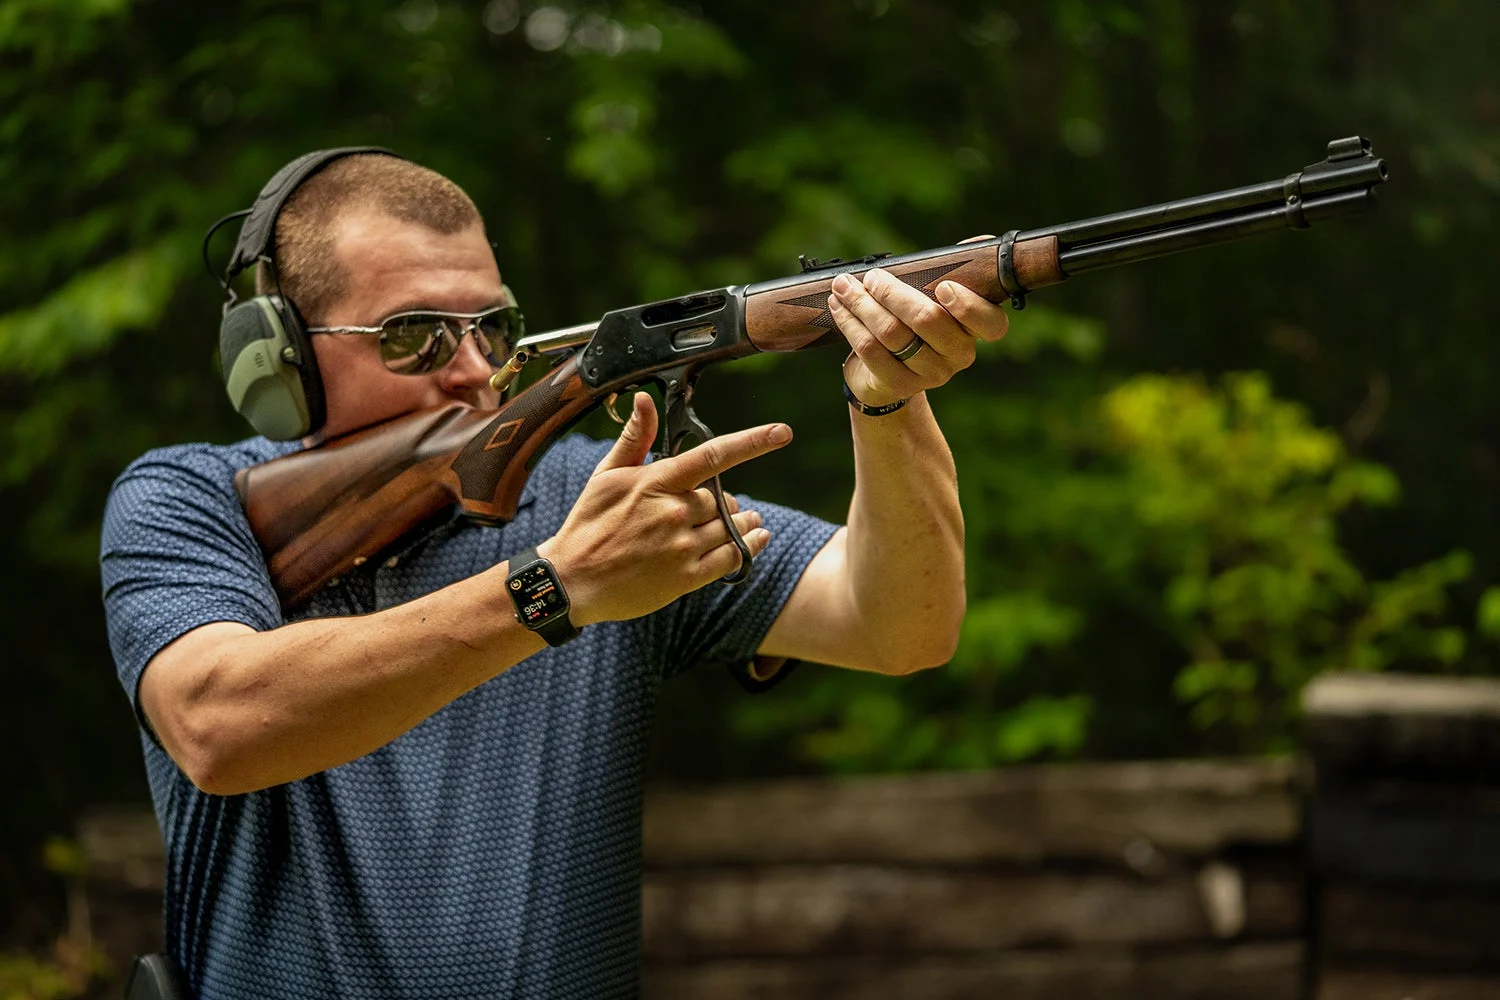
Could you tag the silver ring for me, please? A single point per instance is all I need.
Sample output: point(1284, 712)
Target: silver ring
point(910, 350)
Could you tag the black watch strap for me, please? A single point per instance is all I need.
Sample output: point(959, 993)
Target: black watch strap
point(558, 631)
point(556, 628)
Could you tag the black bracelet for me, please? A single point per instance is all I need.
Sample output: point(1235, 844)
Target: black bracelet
point(872, 411)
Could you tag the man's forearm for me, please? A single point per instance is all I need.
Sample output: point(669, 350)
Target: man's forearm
point(241, 710)
point(905, 546)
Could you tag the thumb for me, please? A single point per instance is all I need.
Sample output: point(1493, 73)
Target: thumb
point(636, 437)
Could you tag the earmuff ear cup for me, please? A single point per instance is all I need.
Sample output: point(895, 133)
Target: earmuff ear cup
point(269, 370)
point(307, 362)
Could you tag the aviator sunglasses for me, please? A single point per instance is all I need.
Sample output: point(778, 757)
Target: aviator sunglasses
point(422, 341)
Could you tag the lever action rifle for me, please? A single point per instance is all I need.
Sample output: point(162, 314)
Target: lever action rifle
point(319, 513)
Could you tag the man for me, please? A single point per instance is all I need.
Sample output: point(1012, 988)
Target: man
point(404, 792)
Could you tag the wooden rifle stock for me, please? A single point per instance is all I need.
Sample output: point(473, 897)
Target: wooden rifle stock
point(321, 512)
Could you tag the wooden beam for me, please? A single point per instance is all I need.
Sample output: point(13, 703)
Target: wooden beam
point(1393, 724)
point(1404, 984)
point(1270, 971)
point(1133, 813)
point(1443, 929)
point(877, 910)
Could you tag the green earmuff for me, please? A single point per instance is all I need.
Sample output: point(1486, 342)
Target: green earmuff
point(268, 365)
point(265, 371)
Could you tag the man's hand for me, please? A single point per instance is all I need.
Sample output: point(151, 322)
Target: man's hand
point(883, 315)
point(640, 536)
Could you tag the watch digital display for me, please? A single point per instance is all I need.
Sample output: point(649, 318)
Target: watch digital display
point(536, 594)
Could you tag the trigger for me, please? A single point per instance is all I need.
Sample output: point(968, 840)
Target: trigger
point(609, 407)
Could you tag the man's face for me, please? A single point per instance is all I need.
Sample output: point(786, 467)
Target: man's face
point(392, 267)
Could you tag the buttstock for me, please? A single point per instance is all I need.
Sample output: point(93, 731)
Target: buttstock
point(321, 512)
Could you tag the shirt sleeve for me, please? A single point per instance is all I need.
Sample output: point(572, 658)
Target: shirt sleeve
point(720, 624)
point(726, 623)
point(175, 553)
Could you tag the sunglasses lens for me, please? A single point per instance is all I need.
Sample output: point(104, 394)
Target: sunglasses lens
point(417, 345)
point(498, 333)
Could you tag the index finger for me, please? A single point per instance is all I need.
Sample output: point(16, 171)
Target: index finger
point(698, 465)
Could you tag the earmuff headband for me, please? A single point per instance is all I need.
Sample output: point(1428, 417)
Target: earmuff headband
point(258, 234)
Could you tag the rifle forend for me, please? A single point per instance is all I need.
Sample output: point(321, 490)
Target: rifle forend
point(321, 512)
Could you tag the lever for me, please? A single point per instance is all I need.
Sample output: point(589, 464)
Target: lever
point(680, 424)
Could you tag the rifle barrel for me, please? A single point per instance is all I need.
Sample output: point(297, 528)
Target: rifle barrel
point(1137, 220)
point(1134, 247)
point(1342, 184)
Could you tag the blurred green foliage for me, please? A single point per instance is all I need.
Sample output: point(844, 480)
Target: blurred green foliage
point(23, 977)
point(1236, 496)
point(1181, 479)
point(1209, 512)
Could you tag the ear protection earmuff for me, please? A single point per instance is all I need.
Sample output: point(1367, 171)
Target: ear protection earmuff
point(268, 365)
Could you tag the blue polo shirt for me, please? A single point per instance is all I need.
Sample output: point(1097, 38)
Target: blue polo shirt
point(493, 850)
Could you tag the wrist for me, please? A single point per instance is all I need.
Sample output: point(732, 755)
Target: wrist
point(859, 406)
point(572, 579)
point(866, 396)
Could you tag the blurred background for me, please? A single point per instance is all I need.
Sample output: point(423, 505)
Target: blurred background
point(1191, 485)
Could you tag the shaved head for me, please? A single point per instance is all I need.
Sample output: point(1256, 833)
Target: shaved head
point(307, 265)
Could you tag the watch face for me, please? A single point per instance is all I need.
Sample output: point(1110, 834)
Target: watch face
point(536, 593)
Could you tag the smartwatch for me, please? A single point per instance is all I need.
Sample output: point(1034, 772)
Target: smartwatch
point(540, 600)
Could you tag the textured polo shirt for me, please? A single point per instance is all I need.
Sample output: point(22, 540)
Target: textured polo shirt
point(493, 850)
